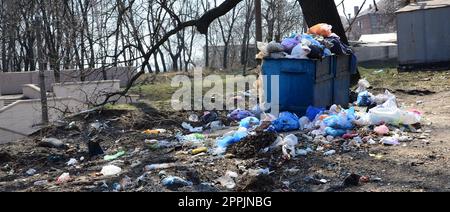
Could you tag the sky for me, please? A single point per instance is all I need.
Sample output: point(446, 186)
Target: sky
point(350, 4)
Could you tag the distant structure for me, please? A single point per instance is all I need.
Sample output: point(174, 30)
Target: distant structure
point(423, 36)
point(379, 19)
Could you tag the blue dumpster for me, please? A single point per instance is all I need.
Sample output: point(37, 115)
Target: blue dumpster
point(305, 83)
point(302, 83)
point(341, 80)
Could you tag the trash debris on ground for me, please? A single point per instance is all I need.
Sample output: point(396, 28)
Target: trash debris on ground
point(173, 183)
point(238, 115)
point(160, 166)
point(64, 178)
point(199, 150)
point(115, 156)
point(228, 180)
point(286, 122)
point(31, 172)
point(191, 129)
point(111, 170)
point(72, 162)
point(52, 143)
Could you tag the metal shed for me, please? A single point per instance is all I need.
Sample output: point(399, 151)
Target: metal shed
point(424, 35)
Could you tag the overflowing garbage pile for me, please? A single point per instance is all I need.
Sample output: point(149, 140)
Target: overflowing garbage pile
point(383, 123)
point(213, 151)
point(317, 43)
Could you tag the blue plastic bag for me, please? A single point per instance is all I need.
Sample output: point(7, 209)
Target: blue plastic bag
point(229, 140)
point(335, 132)
point(343, 120)
point(249, 122)
point(286, 122)
point(364, 99)
point(312, 112)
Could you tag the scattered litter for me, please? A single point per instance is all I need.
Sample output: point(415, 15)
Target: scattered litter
point(72, 162)
point(194, 118)
point(382, 130)
point(191, 129)
point(330, 153)
point(160, 166)
point(64, 178)
point(114, 157)
point(52, 143)
point(111, 170)
point(199, 150)
point(227, 180)
point(31, 172)
point(172, 182)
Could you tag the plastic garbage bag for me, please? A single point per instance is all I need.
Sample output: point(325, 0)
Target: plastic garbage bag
point(304, 122)
point(316, 52)
point(390, 141)
point(286, 122)
point(335, 132)
point(381, 130)
point(321, 29)
point(363, 85)
point(209, 117)
point(300, 52)
point(172, 182)
point(383, 98)
point(262, 47)
point(274, 47)
point(249, 122)
point(289, 143)
point(308, 40)
point(364, 99)
point(343, 120)
point(191, 129)
point(228, 140)
point(389, 113)
point(238, 115)
point(289, 44)
point(312, 112)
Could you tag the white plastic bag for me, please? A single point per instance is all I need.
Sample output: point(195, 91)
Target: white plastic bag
point(300, 52)
point(363, 85)
point(391, 114)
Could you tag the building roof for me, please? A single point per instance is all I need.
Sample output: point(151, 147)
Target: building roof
point(385, 7)
point(425, 5)
point(379, 38)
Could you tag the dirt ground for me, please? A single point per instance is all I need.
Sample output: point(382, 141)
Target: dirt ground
point(418, 166)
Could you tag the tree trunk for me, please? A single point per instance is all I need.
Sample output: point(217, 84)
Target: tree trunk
point(44, 108)
point(163, 61)
point(207, 50)
point(323, 11)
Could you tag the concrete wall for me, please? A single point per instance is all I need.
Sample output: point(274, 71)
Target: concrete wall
point(31, 91)
point(11, 83)
point(376, 52)
point(24, 116)
point(90, 92)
